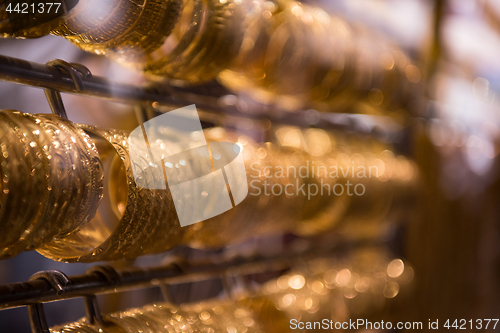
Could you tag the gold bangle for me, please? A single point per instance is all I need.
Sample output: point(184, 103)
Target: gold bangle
point(86, 174)
point(151, 21)
point(146, 226)
point(14, 164)
point(48, 161)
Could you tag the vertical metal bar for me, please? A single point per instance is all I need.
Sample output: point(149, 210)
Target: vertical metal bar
point(92, 310)
point(55, 102)
point(436, 46)
point(38, 322)
point(165, 292)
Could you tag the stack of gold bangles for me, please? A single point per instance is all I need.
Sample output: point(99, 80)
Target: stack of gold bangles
point(282, 52)
point(69, 191)
point(51, 180)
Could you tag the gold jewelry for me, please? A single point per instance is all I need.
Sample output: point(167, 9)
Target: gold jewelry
point(128, 31)
point(208, 316)
point(145, 221)
point(47, 158)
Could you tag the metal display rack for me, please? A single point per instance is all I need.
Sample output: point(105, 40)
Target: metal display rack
point(207, 98)
point(53, 285)
point(47, 286)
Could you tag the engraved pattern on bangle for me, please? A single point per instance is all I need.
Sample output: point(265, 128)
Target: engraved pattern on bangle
point(147, 213)
point(44, 157)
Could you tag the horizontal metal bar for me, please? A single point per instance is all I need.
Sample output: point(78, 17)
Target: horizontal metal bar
point(34, 291)
point(23, 293)
point(43, 76)
point(206, 98)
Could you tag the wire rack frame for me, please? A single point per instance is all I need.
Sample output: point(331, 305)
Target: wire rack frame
point(52, 285)
point(58, 76)
point(209, 100)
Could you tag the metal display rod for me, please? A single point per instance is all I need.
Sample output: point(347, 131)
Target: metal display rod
point(46, 76)
point(51, 77)
point(47, 286)
point(104, 279)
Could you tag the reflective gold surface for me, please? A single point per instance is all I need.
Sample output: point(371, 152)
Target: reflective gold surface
point(307, 183)
point(298, 56)
point(293, 188)
point(283, 53)
point(123, 29)
point(338, 289)
point(143, 223)
point(50, 159)
point(208, 317)
point(355, 286)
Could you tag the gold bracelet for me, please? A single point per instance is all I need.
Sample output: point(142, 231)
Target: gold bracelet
point(148, 223)
point(47, 158)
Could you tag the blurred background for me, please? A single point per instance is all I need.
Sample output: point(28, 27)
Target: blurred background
point(453, 241)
